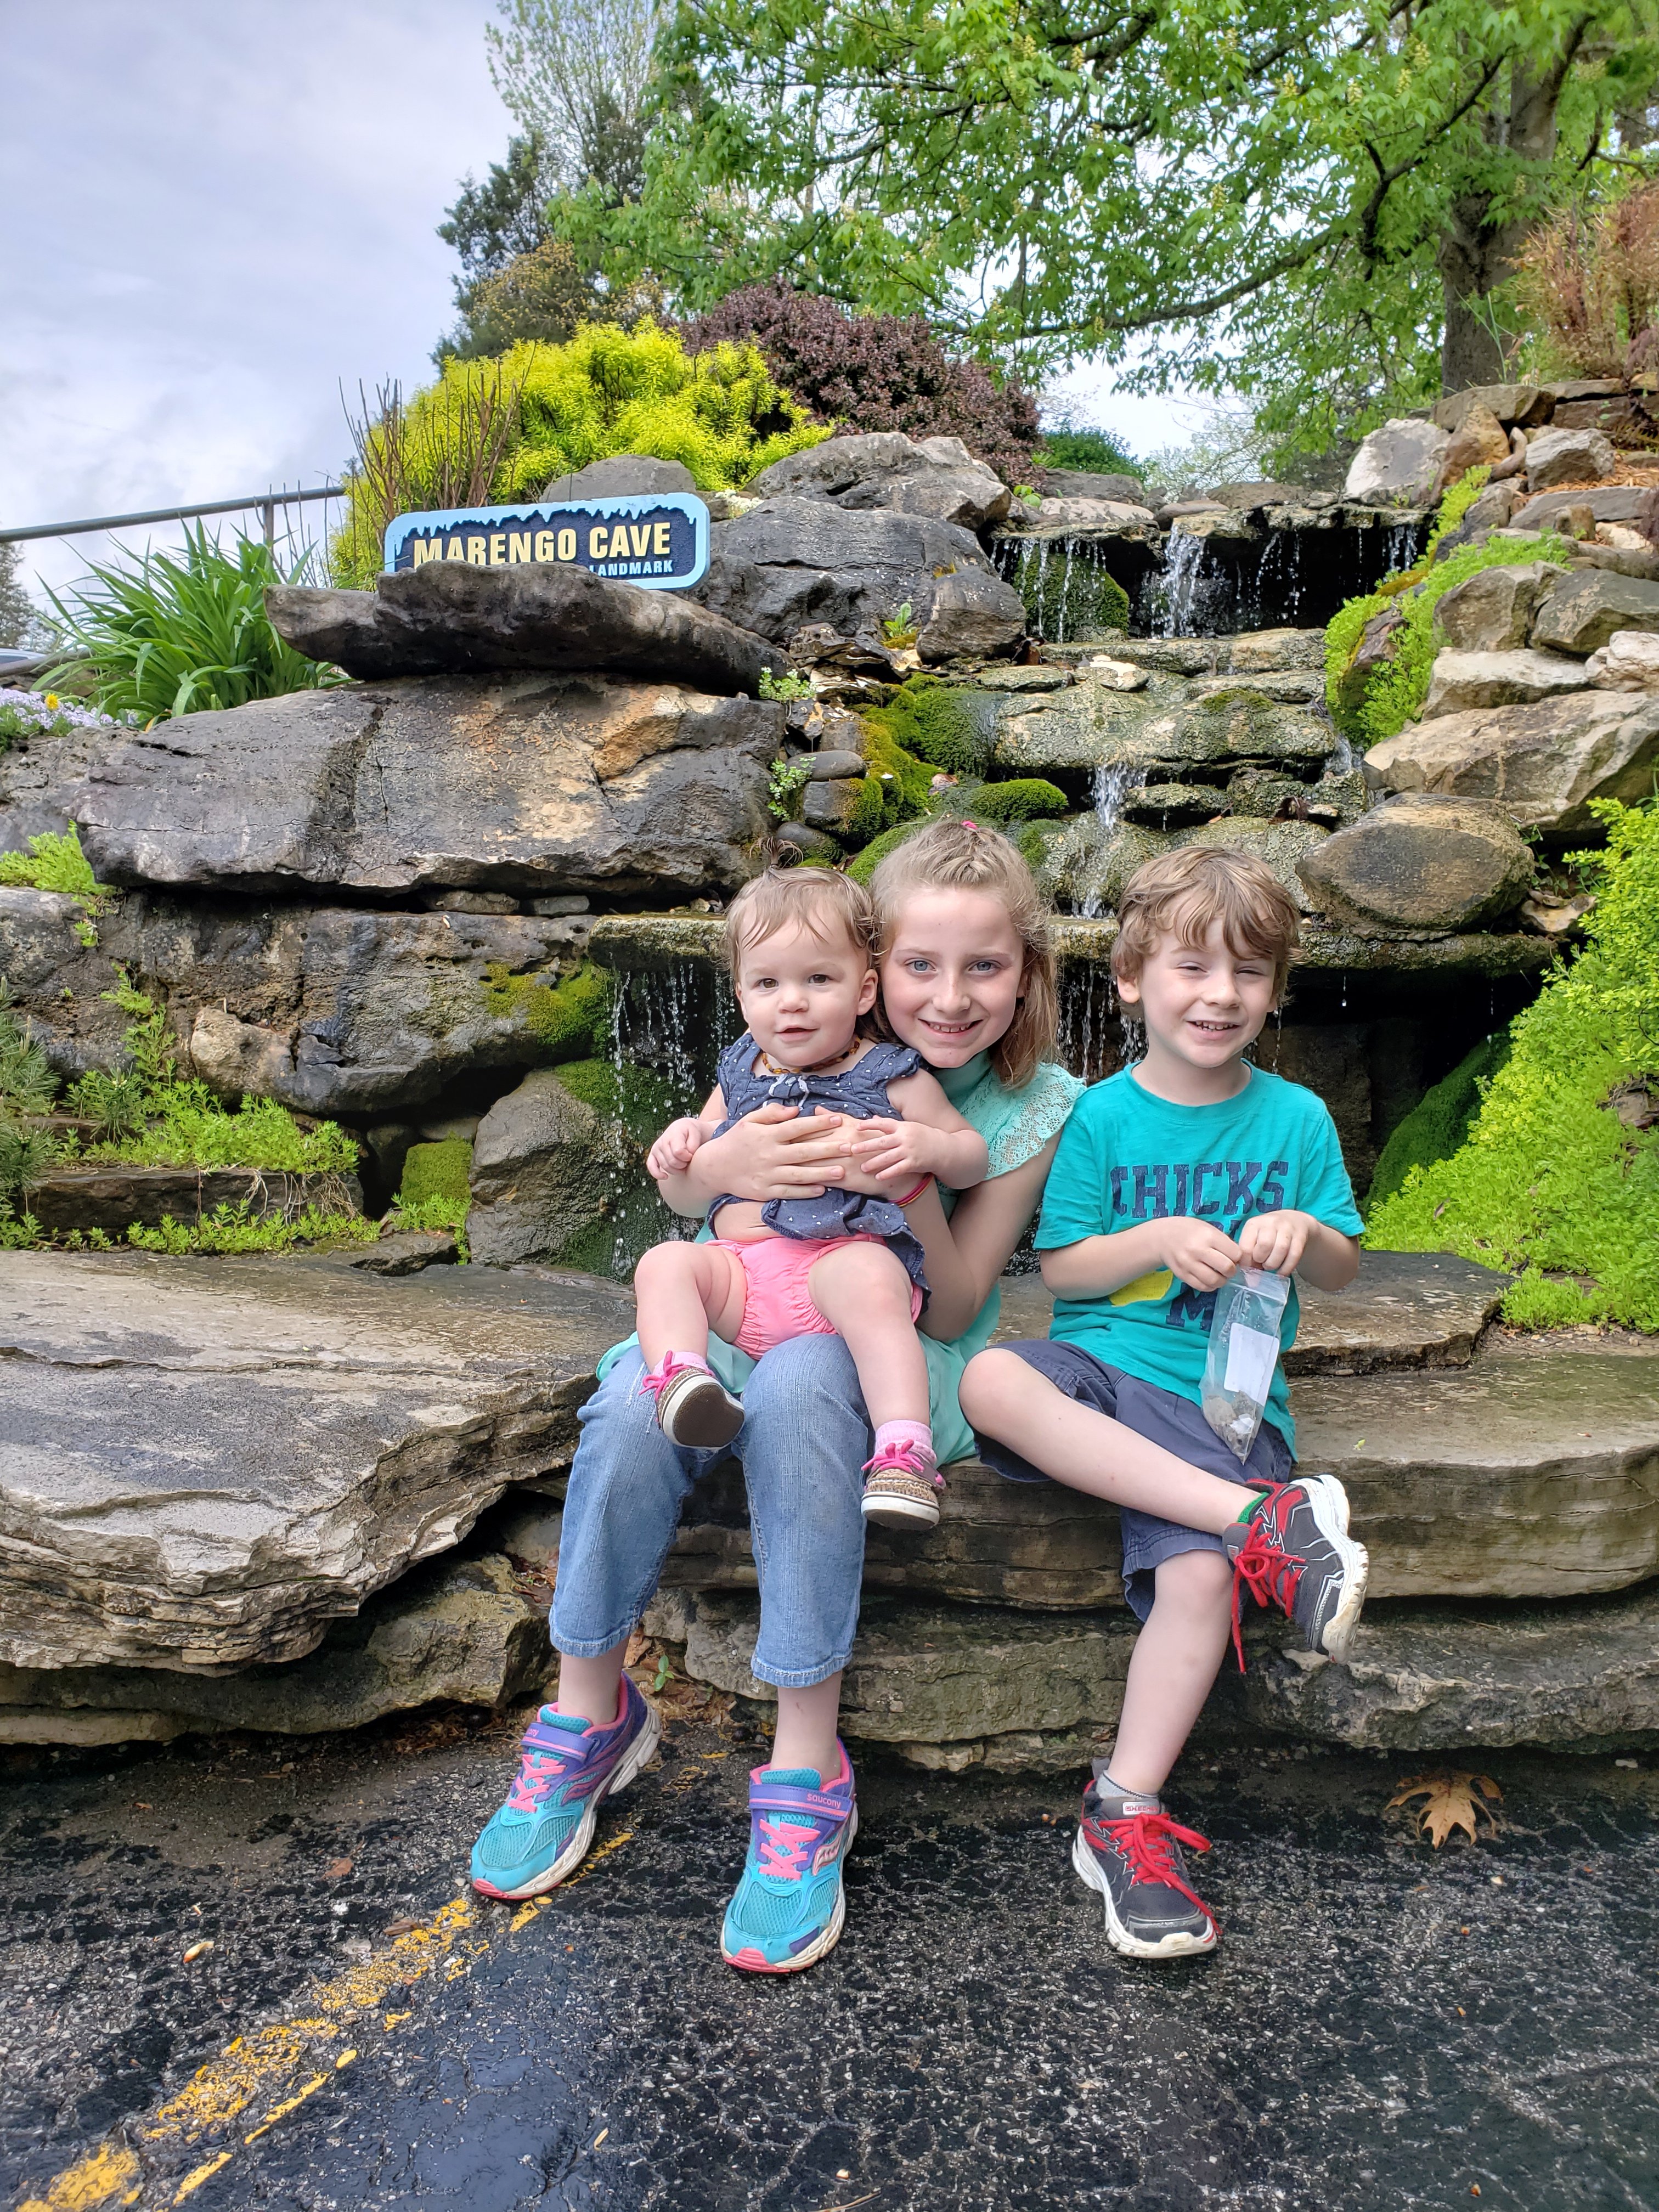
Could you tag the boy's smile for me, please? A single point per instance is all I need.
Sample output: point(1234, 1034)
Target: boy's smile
point(1202, 1004)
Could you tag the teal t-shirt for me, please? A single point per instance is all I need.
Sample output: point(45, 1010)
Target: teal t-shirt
point(1016, 1125)
point(1127, 1157)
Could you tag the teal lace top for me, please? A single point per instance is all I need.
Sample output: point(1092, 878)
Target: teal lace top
point(1016, 1125)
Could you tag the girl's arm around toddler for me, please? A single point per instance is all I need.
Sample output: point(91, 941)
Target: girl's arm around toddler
point(932, 1140)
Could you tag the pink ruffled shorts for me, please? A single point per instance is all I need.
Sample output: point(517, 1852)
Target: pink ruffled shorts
point(777, 1303)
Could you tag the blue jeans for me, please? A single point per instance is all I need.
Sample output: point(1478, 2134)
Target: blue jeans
point(802, 1445)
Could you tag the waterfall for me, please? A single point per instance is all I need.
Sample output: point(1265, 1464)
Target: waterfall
point(1109, 788)
point(1181, 583)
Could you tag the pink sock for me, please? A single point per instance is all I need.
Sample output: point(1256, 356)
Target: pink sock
point(905, 1435)
point(684, 1359)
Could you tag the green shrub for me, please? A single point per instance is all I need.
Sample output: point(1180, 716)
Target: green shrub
point(1550, 1181)
point(1101, 452)
point(1440, 1121)
point(499, 430)
point(437, 1171)
point(55, 862)
point(191, 1129)
point(169, 637)
point(27, 1084)
point(1457, 501)
point(238, 1229)
point(1024, 799)
point(1398, 688)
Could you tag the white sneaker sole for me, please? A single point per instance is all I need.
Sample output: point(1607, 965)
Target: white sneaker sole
point(638, 1754)
point(899, 1513)
point(1175, 1946)
point(700, 1417)
point(1330, 1501)
point(825, 1940)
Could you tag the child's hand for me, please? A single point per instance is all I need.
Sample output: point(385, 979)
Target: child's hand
point(1276, 1242)
point(1199, 1252)
point(892, 1151)
point(671, 1153)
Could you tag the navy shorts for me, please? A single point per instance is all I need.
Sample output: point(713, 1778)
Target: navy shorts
point(1162, 1419)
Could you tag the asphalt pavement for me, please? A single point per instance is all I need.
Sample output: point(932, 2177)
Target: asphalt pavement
point(242, 1973)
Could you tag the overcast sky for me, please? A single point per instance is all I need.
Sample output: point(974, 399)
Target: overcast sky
point(213, 215)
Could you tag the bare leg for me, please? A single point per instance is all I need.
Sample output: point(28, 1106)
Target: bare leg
point(591, 1688)
point(684, 1291)
point(864, 1293)
point(807, 1729)
point(1006, 1399)
point(1172, 1668)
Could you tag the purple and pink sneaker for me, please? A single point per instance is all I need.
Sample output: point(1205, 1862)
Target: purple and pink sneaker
point(788, 1910)
point(568, 1767)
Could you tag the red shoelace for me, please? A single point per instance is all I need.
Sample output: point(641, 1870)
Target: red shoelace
point(1270, 1573)
point(1144, 1842)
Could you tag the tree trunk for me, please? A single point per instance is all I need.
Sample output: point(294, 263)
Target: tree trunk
point(1477, 254)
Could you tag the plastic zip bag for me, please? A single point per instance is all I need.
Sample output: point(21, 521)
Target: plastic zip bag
point(1238, 1371)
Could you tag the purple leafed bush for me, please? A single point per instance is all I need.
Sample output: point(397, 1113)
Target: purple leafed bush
point(877, 373)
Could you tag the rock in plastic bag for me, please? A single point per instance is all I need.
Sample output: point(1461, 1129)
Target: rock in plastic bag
point(1238, 1371)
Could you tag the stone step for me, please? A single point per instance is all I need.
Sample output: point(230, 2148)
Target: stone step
point(954, 1687)
point(203, 1461)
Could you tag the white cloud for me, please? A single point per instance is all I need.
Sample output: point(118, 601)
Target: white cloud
point(219, 213)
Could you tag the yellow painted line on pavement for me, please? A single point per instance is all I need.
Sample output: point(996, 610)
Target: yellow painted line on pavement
point(221, 2092)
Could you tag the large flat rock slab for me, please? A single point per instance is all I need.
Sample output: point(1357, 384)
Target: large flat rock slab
point(204, 1462)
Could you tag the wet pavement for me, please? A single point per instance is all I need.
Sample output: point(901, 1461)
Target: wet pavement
point(1383, 2025)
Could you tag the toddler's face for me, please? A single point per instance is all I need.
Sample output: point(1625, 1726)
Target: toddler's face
point(801, 995)
point(1202, 1003)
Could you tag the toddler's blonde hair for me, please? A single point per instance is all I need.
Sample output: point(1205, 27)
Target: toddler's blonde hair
point(821, 900)
point(965, 855)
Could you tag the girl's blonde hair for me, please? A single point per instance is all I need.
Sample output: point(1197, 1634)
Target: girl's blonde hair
point(950, 855)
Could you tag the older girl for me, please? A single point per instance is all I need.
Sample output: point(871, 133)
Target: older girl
point(967, 978)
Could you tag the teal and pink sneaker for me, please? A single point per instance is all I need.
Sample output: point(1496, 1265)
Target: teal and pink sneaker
point(567, 1768)
point(787, 1912)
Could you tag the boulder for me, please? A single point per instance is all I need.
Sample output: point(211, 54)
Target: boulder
point(1584, 611)
point(1542, 763)
point(1256, 492)
point(970, 616)
point(459, 1631)
point(539, 1180)
point(449, 617)
point(1085, 864)
point(1619, 503)
point(1377, 644)
point(115, 1198)
point(1089, 484)
point(1397, 464)
point(622, 476)
point(1461, 680)
point(203, 1462)
point(1094, 726)
point(332, 1009)
point(936, 477)
point(1492, 611)
point(1517, 405)
point(1270, 651)
point(405, 1252)
point(794, 562)
point(823, 471)
point(1421, 863)
point(1479, 439)
point(1086, 518)
point(1629, 661)
point(1575, 456)
point(830, 805)
point(534, 783)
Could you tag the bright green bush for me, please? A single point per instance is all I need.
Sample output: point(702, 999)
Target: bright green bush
point(170, 637)
point(542, 411)
point(1440, 1121)
point(1102, 453)
point(1550, 1181)
point(1024, 799)
point(1398, 688)
point(441, 1172)
point(189, 1128)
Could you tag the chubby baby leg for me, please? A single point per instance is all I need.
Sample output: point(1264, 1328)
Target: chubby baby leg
point(684, 1291)
point(864, 1291)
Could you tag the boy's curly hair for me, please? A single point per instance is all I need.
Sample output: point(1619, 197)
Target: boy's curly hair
point(1185, 893)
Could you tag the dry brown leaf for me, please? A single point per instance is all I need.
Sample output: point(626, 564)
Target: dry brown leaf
point(636, 1645)
point(336, 1869)
point(1449, 1800)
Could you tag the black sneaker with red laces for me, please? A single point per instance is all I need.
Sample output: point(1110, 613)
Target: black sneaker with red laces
point(1129, 1850)
point(1295, 1552)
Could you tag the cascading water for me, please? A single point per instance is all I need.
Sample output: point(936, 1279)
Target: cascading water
point(1109, 788)
point(667, 1028)
point(1180, 584)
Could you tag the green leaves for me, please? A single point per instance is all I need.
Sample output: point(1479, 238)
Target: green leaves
point(169, 637)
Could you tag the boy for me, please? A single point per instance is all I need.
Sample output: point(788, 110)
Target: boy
point(1170, 1177)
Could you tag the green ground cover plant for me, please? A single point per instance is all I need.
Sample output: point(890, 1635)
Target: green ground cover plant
point(1559, 1177)
point(501, 430)
point(1022, 798)
point(55, 862)
point(1397, 690)
point(1440, 1121)
point(166, 636)
point(238, 1229)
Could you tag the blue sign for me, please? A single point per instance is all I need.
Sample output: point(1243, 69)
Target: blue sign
point(660, 539)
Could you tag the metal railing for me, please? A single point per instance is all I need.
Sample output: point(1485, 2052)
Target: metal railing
point(266, 502)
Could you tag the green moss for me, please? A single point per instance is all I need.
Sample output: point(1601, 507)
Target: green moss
point(1440, 1121)
point(1459, 499)
point(864, 865)
point(565, 1021)
point(1397, 688)
point(1550, 1181)
point(1025, 798)
point(437, 1171)
point(935, 721)
point(638, 1097)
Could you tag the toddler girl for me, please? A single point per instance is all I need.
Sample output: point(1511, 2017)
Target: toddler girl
point(800, 945)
